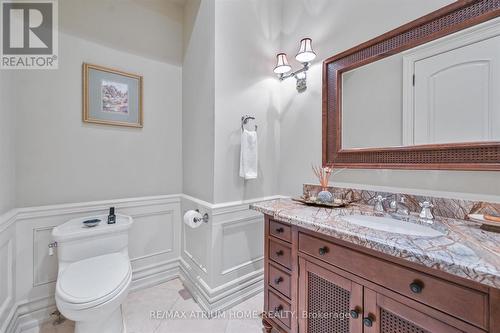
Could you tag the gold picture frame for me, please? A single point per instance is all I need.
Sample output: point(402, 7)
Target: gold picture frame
point(123, 108)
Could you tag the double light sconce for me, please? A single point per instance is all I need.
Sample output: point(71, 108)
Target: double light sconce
point(304, 56)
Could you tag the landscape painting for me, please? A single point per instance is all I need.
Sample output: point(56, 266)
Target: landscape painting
point(114, 97)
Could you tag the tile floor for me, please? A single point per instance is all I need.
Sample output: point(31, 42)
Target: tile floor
point(165, 298)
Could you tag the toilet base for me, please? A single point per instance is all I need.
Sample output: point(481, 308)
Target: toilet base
point(113, 323)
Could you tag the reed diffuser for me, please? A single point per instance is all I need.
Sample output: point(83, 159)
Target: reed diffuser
point(323, 175)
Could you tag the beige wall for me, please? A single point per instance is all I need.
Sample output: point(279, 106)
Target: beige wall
point(149, 28)
point(246, 34)
point(336, 26)
point(198, 76)
point(7, 151)
point(60, 159)
point(229, 50)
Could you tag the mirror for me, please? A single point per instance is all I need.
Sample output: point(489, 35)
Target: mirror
point(442, 92)
point(425, 95)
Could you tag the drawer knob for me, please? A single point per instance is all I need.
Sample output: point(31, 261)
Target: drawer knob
point(368, 322)
point(416, 287)
point(323, 250)
point(354, 314)
point(278, 309)
point(279, 253)
point(280, 230)
point(278, 280)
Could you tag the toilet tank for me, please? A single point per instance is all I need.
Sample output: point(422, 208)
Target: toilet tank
point(76, 242)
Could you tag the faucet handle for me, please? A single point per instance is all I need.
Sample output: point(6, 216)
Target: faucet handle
point(379, 204)
point(397, 200)
point(426, 212)
point(426, 204)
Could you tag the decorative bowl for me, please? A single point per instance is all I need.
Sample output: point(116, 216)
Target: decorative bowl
point(91, 223)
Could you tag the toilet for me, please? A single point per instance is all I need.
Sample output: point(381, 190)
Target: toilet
point(94, 273)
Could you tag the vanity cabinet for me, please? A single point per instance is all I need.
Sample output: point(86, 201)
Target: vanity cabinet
point(327, 301)
point(318, 284)
point(336, 304)
point(383, 314)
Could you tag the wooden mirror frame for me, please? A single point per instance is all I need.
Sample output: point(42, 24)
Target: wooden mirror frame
point(460, 156)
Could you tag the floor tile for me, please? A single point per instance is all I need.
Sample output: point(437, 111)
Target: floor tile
point(164, 303)
point(66, 327)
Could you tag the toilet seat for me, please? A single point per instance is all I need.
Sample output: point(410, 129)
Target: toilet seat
point(93, 281)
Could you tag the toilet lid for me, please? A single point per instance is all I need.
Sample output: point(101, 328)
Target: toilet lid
point(92, 279)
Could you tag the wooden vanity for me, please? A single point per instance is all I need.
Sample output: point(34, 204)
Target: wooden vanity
point(324, 275)
point(317, 283)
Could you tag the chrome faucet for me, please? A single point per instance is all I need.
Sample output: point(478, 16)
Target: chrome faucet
point(399, 206)
point(426, 212)
point(379, 204)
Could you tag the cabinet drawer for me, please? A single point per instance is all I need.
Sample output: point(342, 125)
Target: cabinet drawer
point(280, 230)
point(279, 280)
point(279, 309)
point(280, 253)
point(462, 302)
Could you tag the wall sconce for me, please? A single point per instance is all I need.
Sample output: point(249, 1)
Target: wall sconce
point(304, 56)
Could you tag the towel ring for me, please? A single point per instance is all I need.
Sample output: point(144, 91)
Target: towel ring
point(245, 120)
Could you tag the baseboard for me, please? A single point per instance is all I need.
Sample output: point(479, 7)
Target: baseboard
point(28, 314)
point(146, 277)
point(214, 300)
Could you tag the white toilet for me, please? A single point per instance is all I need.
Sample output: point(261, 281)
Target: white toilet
point(94, 273)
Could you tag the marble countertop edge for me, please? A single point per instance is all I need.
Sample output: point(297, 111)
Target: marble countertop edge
point(396, 245)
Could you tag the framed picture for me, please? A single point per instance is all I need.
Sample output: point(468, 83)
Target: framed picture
point(111, 97)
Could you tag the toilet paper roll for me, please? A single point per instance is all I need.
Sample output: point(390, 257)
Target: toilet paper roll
point(189, 219)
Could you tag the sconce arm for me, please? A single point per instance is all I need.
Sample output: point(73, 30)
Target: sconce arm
point(305, 67)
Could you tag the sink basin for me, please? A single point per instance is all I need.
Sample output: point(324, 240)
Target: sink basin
point(392, 225)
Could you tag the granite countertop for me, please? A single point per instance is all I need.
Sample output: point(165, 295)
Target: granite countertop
point(464, 249)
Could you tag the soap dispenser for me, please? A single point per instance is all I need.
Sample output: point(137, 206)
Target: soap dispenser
point(112, 216)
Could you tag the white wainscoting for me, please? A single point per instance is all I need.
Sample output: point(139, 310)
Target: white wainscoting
point(7, 268)
point(220, 262)
point(154, 248)
point(7, 277)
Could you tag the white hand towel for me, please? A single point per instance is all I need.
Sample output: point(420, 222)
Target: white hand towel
point(248, 155)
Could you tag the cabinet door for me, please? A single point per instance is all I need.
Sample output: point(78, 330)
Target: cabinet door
point(328, 302)
point(385, 315)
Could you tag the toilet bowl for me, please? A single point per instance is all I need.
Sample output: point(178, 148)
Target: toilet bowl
point(94, 273)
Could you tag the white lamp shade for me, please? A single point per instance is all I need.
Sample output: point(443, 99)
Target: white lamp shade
point(282, 65)
point(306, 53)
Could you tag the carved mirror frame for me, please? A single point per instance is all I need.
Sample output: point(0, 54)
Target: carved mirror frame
point(459, 156)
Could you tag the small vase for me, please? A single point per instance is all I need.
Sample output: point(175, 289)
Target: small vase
point(325, 196)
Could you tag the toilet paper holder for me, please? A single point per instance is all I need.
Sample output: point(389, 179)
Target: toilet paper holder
point(204, 217)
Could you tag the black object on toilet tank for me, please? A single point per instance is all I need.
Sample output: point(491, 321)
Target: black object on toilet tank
point(111, 216)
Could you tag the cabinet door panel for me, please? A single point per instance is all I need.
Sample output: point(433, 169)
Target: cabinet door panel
point(385, 315)
point(326, 301)
point(464, 303)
